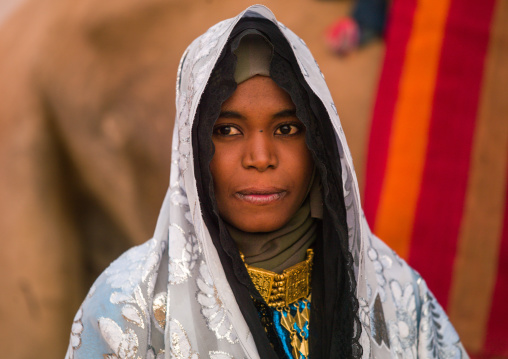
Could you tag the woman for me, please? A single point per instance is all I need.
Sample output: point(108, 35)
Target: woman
point(269, 254)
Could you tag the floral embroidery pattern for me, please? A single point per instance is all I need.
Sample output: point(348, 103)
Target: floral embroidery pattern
point(350, 200)
point(212, 308)
point(219, 355)
point(125, 345)
point(403, 330)
point(131, 314)
point(440, 340)
point(183, 253)
point(380, 263)
point(133, 267)
point(184, 249)
point(180, 346)
point(76, 330)
point(91, 292)
point(197, 71)
point(134, 310)
point(364, 312)
point(159, 310)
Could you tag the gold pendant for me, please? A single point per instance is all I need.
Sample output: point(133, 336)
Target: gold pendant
point(299, 344)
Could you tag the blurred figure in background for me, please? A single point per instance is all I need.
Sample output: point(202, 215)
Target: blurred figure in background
point(367, 22)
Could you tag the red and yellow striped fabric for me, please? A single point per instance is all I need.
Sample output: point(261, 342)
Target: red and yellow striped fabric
point(437, 163)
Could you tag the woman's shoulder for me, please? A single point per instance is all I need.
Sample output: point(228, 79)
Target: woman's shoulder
point(417, 324)
point(395, 279)
point(116, 313)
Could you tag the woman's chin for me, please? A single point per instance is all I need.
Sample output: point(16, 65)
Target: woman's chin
point(257, 225)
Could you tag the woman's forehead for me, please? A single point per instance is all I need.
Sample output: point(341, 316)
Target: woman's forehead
point(259, 91)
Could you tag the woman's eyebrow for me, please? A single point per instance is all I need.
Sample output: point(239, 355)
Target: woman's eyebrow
point(290, 112)
point(230, 114)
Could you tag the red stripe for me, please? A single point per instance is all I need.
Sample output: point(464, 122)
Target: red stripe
point(399, 31)
point(440, 207)
point(497, 328)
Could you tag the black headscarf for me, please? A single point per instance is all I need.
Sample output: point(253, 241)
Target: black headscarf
point(334, 325)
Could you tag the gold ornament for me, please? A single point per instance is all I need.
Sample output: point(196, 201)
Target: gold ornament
point(280, 290)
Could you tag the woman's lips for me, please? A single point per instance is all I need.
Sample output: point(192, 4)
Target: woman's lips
point(260, 196)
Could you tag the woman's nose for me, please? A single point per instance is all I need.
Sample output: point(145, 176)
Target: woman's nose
point(260, 153)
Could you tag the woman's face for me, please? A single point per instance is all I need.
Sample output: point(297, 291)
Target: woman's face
point(262, 166)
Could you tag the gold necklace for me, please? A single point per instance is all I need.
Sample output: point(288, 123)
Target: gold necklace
point(280, 290)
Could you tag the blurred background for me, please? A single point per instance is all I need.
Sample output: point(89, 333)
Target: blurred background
point(86, 114)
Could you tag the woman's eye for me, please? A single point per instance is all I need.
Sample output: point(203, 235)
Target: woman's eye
point(226, 130)
point(287, 130)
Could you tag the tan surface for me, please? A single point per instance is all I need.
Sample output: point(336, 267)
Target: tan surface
point(86, 109)
point(7, 7)
point(482, 224)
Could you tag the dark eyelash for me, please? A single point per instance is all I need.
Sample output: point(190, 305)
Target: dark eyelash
point(300, 126)
point(292, 123)
point(222, 125)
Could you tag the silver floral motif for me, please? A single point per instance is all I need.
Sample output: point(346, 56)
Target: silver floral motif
point(119, 298)
point(183, 253)
point(182, 67)
point(207, 43)
point(131, 314)
point(209, 40)
point(212, 308)
point(397, 259)
point(438, 337)
point(379, 267)
point(134, 310)
point(179, 197)
point(159, 310)
point(219, 355)
point(364, 312)
point(350, 200)
point(184, 248)
point(91, 292)
point(197, 68)
point(124, 345)
point(133, 267)
point(76, 330)
point(403, 330)
point(180, 346)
